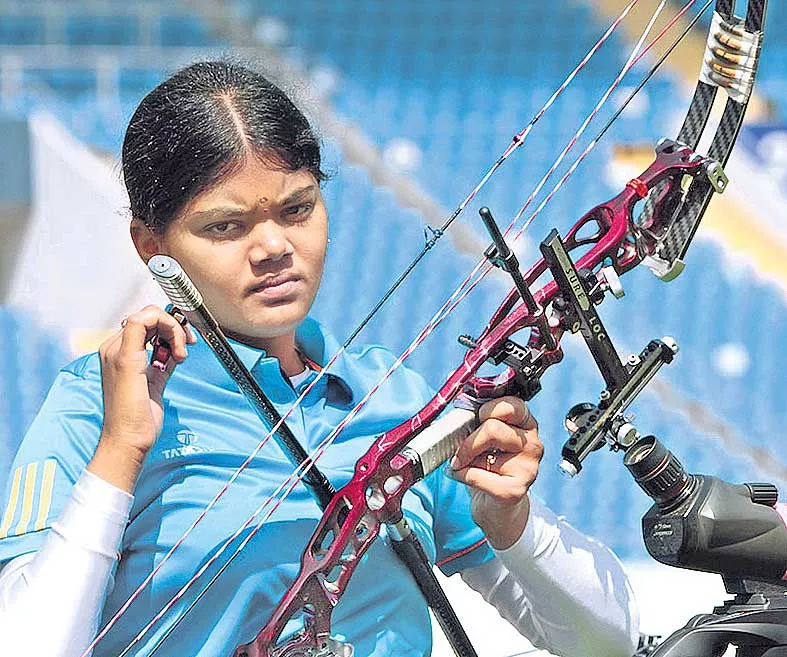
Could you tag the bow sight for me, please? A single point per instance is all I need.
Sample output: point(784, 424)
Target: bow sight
point(578, 289)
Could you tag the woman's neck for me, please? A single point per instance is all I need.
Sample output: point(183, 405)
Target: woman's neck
point(281, 347)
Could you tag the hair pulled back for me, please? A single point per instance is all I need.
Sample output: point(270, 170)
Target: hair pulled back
point(198, 126)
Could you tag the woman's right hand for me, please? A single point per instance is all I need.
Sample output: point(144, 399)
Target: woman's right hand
point(133, 389)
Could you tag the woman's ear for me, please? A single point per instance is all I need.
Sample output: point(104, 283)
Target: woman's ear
point(146, 240)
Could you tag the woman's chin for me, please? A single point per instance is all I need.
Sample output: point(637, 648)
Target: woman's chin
point(257, 332)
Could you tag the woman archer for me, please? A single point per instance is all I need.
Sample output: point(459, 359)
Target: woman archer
point(223, 174)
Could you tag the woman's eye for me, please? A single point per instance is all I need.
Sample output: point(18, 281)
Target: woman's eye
point(222, 228)
point(300, 210)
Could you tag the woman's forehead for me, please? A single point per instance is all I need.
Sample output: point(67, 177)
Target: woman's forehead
point(256, 183)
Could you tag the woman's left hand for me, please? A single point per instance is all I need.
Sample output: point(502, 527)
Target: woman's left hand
point(499, 461)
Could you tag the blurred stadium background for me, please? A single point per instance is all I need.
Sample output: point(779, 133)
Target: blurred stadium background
point(415, 100)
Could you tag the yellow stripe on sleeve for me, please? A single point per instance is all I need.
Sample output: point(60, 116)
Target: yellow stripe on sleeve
point(27, 500)
point(47, 484)
point(10, 510)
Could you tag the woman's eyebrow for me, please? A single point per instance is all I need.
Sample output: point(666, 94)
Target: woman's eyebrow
point(301, 194)
point(230, 211)
point(220, 213)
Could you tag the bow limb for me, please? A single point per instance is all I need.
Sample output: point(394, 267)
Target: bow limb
point(730, 63)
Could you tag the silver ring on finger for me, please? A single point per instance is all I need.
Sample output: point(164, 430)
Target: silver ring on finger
point(491, 459)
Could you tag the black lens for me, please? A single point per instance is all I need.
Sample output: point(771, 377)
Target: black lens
point(658, 472)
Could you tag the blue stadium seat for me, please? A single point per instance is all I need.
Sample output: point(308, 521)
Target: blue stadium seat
point(70, 82)
point(184, 30)
point(111, 30)
point(771, 80)
point(21, 30)
point(137, 82)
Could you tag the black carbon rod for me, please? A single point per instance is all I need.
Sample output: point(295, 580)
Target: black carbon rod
point(411, 552)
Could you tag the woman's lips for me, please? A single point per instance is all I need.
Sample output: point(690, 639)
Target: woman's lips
point(277, 290)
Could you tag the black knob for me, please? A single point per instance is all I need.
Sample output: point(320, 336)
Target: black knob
point(577, 416)
point(766, 494)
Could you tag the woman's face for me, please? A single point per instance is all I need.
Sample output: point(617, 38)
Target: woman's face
point(254, 245)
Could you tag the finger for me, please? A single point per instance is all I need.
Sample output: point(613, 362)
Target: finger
point(493, 434)
point(495, 463)
point(109, 348)
point(162, 350)
point(152, 322)
point(510, 474)
point(510, 410)
point(513, 464)
point(504, 488)
point(191, 337)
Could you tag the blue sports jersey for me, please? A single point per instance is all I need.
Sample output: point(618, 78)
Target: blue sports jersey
point(209, 430)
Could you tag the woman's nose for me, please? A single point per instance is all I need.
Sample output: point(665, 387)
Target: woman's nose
point(269, 242)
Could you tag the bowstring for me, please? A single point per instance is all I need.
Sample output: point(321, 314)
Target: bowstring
point(459, 294)
point(517, 141)
point(617, 113)
point(636, 55)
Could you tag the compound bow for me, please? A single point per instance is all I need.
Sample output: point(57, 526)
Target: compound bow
point(677, 188)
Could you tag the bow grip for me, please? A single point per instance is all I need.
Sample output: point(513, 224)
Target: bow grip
point(439, 441)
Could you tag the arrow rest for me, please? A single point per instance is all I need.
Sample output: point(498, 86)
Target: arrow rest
point(522, 378)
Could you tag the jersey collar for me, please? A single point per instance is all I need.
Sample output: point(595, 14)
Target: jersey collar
point(315, 342)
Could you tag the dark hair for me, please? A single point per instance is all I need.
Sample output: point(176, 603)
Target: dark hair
point(198, 126)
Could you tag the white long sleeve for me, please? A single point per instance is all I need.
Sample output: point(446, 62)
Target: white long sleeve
point(562, 590)
point(52, 599)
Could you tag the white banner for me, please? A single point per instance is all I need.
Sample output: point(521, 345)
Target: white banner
point(78, 269)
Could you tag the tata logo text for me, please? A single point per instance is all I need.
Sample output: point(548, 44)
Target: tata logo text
point(188, 445)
